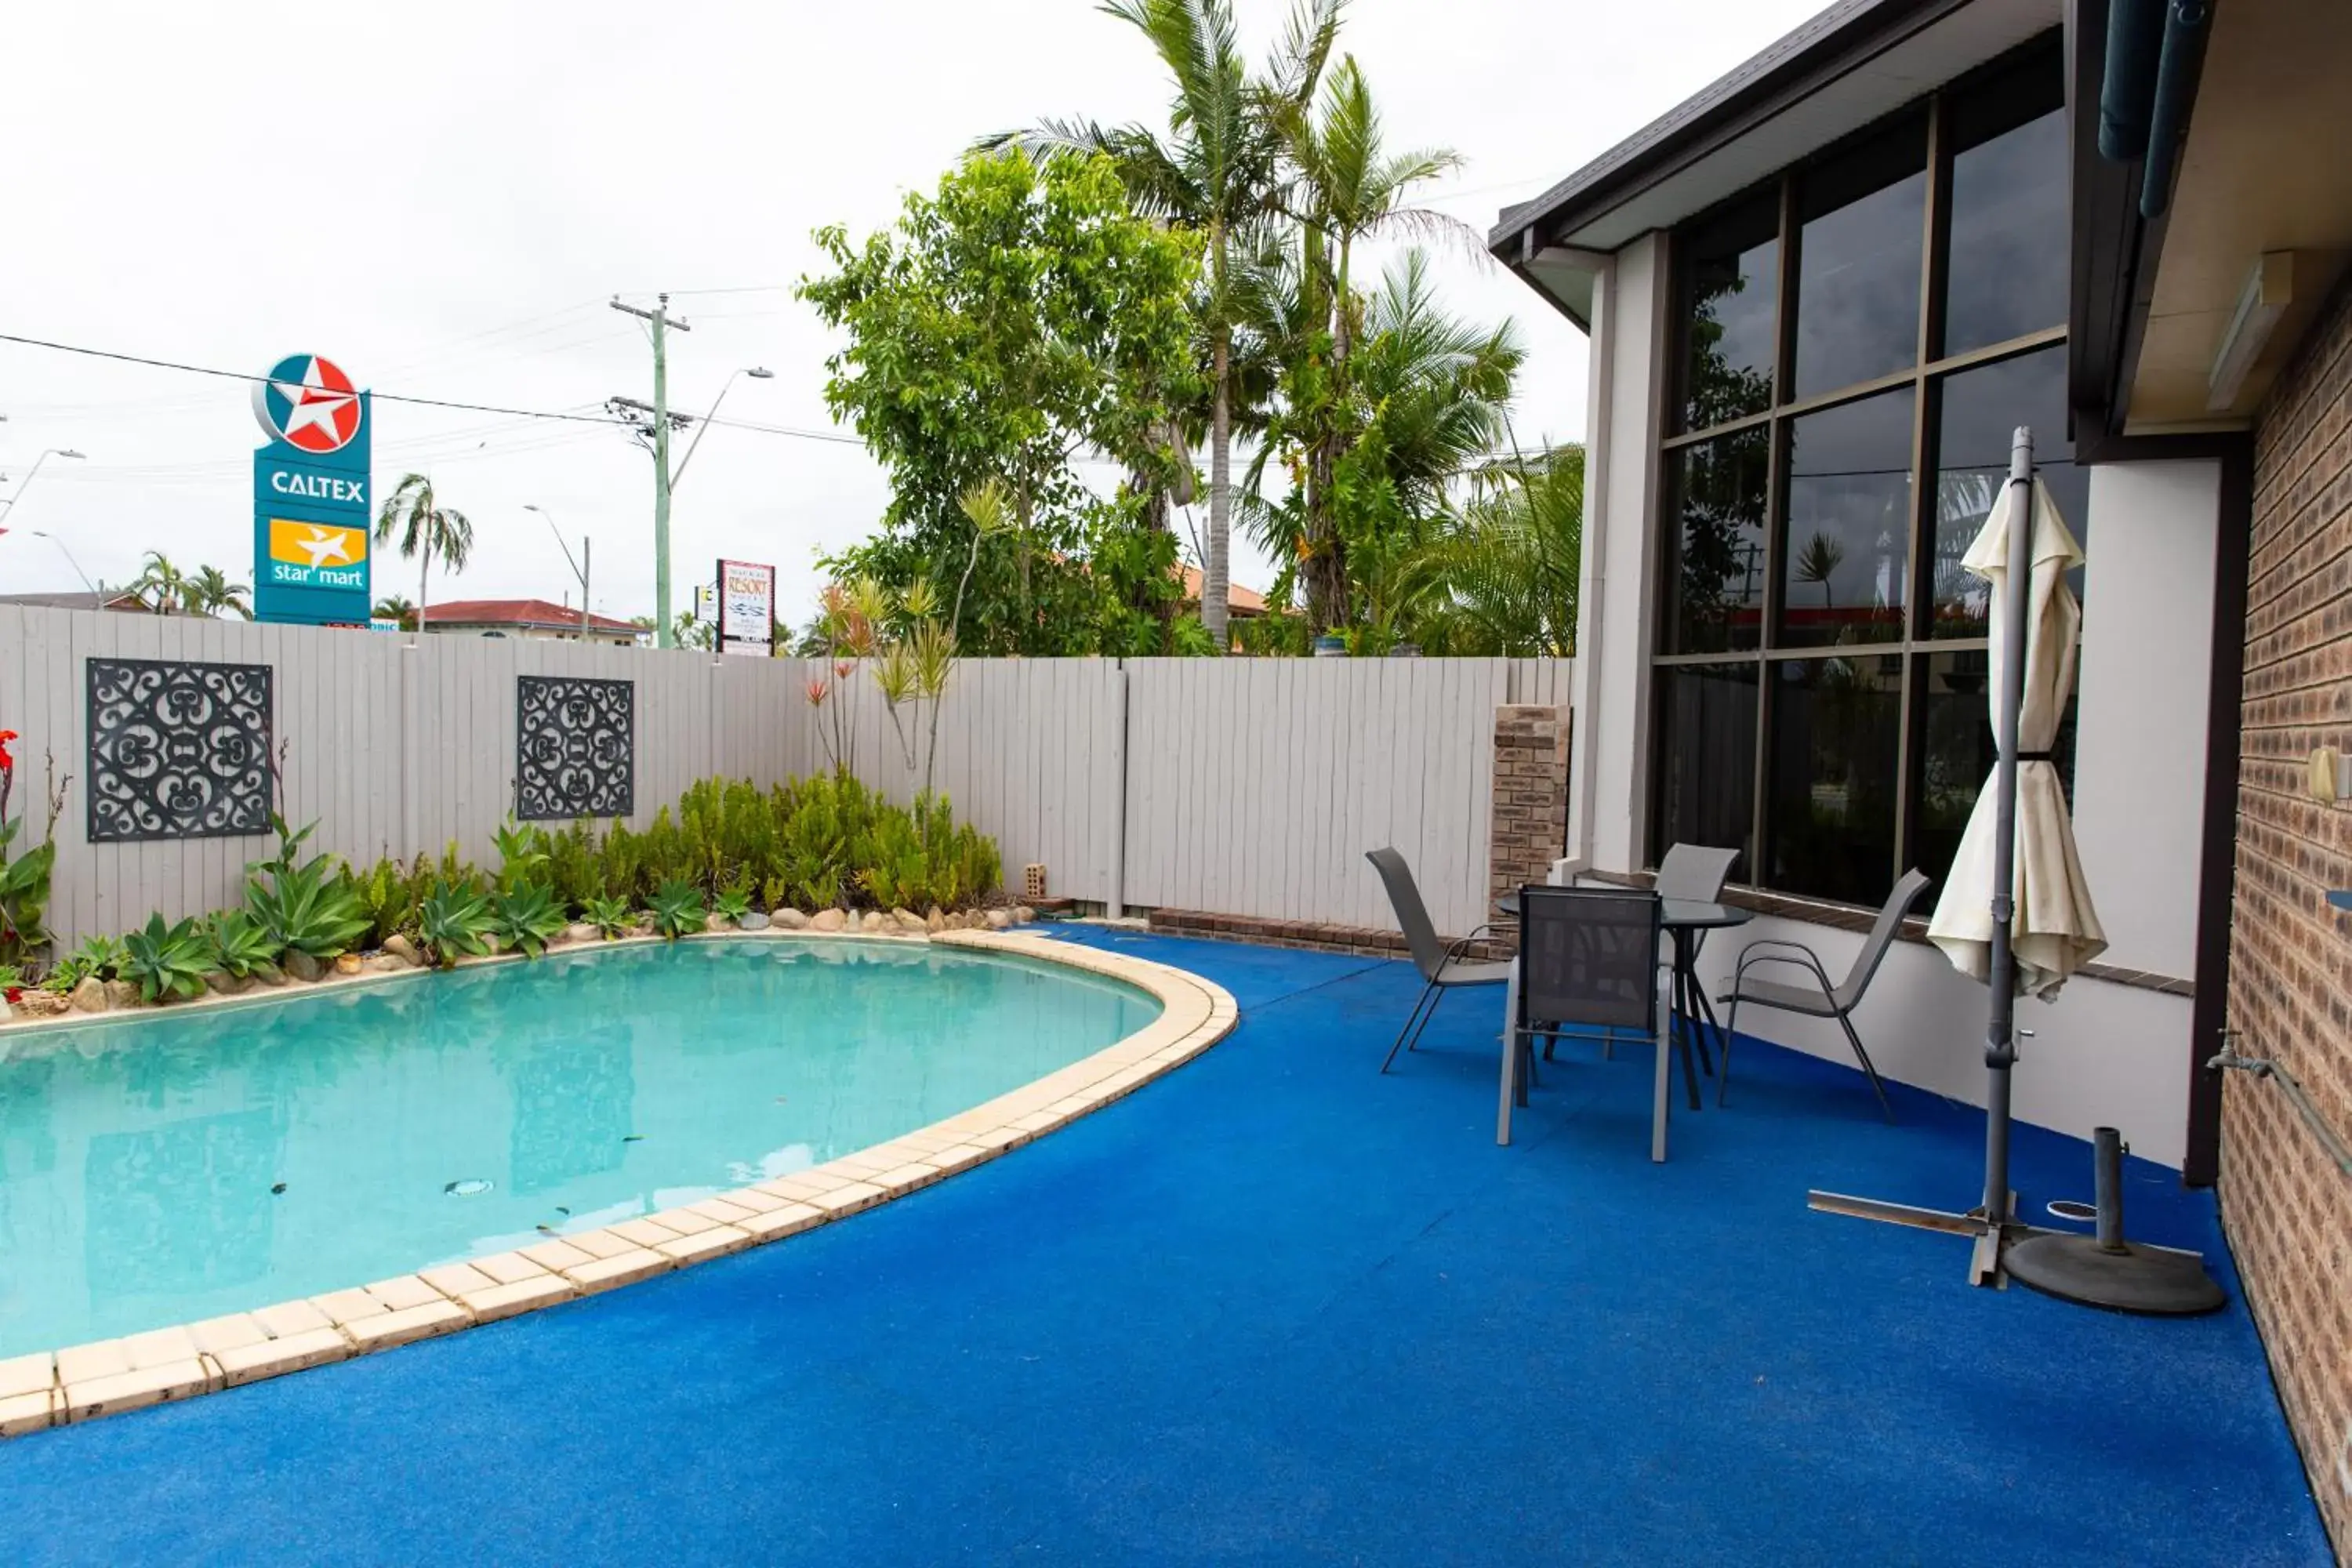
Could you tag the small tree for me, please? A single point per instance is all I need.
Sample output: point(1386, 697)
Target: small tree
point(415, 512)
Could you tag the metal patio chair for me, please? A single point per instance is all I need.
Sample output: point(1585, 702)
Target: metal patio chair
point(1441, 968)
point(1696, 872)
point(1588, 962)
point(1819, 998)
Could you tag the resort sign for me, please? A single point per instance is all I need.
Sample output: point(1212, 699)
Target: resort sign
point(746, 608)
point(310, 483)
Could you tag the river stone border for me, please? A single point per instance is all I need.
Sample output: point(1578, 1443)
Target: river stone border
point(80, 1383)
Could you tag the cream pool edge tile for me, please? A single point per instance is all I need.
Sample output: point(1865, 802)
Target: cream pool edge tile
point(80, 1383)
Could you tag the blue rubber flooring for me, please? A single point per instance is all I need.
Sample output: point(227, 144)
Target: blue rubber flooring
point(1277, 1309)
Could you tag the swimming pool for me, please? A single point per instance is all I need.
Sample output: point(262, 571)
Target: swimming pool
point(165, 1170)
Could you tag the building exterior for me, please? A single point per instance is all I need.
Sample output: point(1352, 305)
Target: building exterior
point(121, 601)
point(524, 618)
point(1820, 296)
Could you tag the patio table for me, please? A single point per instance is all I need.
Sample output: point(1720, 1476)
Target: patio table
point(1684, 921)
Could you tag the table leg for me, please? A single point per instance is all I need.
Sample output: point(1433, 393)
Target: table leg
point(1510, 1055)
point(1684, 980)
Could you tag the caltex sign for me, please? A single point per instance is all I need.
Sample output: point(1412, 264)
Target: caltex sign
point(310, 495)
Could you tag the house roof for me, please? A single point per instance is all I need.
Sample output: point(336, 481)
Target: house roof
point(1239, 601)
point(534, 615)
point(116, 599)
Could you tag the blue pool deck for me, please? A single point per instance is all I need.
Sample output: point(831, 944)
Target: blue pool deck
point(1277, 1309)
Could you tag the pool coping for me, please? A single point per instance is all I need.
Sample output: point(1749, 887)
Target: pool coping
point(80, 1383)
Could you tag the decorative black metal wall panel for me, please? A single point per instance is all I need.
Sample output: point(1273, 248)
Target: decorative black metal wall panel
point(576, 747)
point(178, 750)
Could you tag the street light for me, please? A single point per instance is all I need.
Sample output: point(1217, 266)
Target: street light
point(579, 567)
point(757, 373)
point(46, 455)
point(98, 599)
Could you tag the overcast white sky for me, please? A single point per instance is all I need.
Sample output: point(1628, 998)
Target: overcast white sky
point(441, 197)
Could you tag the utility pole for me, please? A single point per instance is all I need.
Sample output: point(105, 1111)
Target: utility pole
point(662, 323)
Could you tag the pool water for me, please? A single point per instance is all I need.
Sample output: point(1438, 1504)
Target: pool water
point(167, 1170)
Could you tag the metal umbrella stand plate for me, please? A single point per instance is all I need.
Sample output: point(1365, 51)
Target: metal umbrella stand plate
point(2101, 1270)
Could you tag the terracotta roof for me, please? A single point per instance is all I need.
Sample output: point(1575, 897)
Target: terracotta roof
point(531, 613)
point(1239, 601)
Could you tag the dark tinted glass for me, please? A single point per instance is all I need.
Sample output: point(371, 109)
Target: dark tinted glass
point(1846, 562)
point(1858, 270)
point(1957, 756)
point(1831, 777)
point(1707, 755)
point(1716, 582)
point(1731, 285)
point(1982, 408)
point(2007, 274)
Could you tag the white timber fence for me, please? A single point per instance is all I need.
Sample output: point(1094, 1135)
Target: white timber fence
point(1237, 786)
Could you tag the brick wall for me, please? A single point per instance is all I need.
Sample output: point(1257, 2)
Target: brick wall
point(1529, 821)
point(2288, 1209)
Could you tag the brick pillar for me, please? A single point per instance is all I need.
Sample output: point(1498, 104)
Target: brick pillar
point(1529, 827)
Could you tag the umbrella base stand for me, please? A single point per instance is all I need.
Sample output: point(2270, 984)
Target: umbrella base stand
point(2105, 1270)
point(1991, 1241)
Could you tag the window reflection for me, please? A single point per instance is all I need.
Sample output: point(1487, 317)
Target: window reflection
point(1982, 409)
point(1846, 552)
point(1858, 269)
point(2009, 255)
point(1836, 723)
point(1717, 581)
point(1707, 752)
point(1731, 288)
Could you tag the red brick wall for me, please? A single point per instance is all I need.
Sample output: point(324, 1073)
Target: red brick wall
point(2288, 1209)
point(1528, 827)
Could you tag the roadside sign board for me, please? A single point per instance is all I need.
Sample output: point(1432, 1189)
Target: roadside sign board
point(310, 495)
point(746, 608)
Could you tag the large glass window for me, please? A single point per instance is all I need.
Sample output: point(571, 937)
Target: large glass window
point(1820, 655)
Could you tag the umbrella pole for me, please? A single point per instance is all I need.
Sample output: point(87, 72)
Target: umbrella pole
point(2001, 1027)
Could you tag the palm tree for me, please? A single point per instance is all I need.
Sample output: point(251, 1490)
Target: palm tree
point(425, 527)
point(210, 592)
point(393, 607)
point(1218, 172)
point(1502, 579)
point(161, 585)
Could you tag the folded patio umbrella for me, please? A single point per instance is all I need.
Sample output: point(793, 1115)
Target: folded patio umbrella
point(2054, 930)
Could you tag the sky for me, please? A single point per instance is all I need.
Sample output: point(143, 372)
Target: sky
point(442, 199)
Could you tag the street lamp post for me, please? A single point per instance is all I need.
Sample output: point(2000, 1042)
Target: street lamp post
point(98, 599)
point(9, 504)
point(579, 568)
point(757, 373)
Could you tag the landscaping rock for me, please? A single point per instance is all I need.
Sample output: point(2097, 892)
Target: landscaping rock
point(401, 948)
point(300, 965)
point(121, 993)
point(753, 921)
point(89, 997)
point(268, 974)
point(908, 920)
point(642, 925)
point(999, 919)
point(347, 963)
point(933, 919)
point(386, 964)
point(715, 923)
point(953, 920)
point(1023, 914)
point(789, 919)
point(878, 922)
point(828, 920)
point(581, 932)
point(225, 983)
point(491, 947)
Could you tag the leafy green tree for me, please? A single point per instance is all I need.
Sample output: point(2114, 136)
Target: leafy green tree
point(1018, 320)
point(1501, 576)
point(161, 585)
point(210, 593)
point(426, 528)
point(393, 607)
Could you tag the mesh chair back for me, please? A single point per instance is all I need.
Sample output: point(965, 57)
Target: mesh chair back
point(1881, 935)
point(1589, 956)
point(1696, 872)
point(1413, 915)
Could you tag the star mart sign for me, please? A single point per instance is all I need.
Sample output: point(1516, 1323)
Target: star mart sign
point(310, 495)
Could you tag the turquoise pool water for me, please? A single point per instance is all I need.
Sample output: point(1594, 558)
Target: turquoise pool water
point(141, 1163)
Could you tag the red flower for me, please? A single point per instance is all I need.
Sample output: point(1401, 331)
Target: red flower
point(816, 694)
point(7, 762)
point(844, 669)
point(14, 994)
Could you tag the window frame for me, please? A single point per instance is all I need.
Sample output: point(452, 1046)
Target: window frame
point(1925, 376)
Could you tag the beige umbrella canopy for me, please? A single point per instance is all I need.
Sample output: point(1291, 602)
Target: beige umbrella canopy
point(2054, 930)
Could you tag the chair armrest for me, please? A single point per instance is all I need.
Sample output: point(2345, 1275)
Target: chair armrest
point(1796, 955)
point(1460, 943)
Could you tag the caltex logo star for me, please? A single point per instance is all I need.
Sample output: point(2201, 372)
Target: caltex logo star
point(308, 403)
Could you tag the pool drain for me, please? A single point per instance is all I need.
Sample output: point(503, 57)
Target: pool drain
point(2074, 1209)
point(472, 1186)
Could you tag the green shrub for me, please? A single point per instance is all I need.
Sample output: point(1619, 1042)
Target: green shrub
point(571, 865)
point(620, 865)
point(306, 907)
point(240, 945)
point(24, 895)
point(166, 962)
point(454, 919)
point(528, 918)
point(521, 852)
point(609, 916)
point(388, 895)
point(678, 908)
point(100, 958)
point(733, 902)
